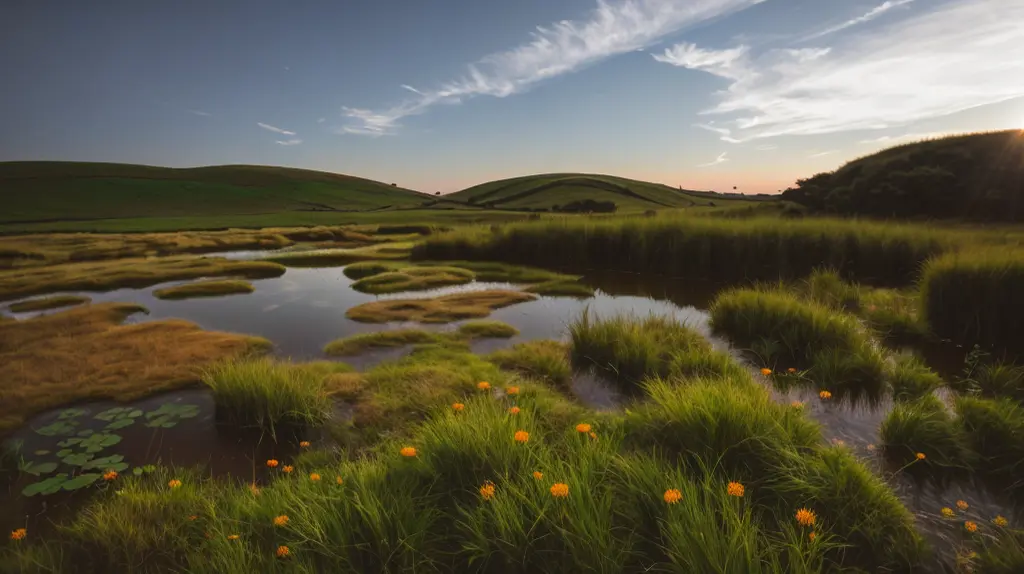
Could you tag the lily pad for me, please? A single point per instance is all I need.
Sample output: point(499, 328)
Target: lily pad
point(137, 471)
point(175, 410)
point(58, 428)
point(77, 459)
point(100, 441)
point(81, 481)
point(47, 486)
point(105, 462)
point(38, 468)
point(120, 424)
point(110, 414)
point(149, 468)
point(69, 442)
point(70, 414)
point(84, 433)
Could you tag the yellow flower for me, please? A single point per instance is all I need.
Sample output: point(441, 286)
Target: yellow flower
point(962, 505)
point(304, 444)
point(825, 395)
point(487, 490)
point(947, 512)
point(174, 483)
point(812, 536)
point(791, 370)
point(559, 490)
point(796, 404)
point(766, 371)
point(314, 477)
point(583, 428)
point(272, 463)
point(521, 436)
point(458, 407)
point(19, 534)
point(281, 520)
point(338, 480)
point(920, 456)
point(805, 517)
point(1000, 521)
point(970, 526)
point(283, 552)
point(233, 537)
point(408, 452)
point(110, 475)
point(673, 496)
point(734, 489)
point(538, 474)
point(593, 435)
point(514, 410)
point(483, 385)
point(512, 391)
point(287, 469)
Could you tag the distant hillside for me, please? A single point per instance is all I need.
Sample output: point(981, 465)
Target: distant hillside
point(49, 191)
point(974, 176)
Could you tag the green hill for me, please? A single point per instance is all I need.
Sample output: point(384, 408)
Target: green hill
point(973, 176)
point(50, 191)
point(556, 191)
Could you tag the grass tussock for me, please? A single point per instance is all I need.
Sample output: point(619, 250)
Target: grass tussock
point(363, 269)
point(85, 353)
point(443, 309)
point(357, 344)
point(892, 313)
point(138, 273)
point(503, 272)
point(214, 288)
point(911, 379)
point(562, 288)
point(632, 349)
point(924, 425)
point(975, 295)
point(487, 329)
point(267, 394)
point(46, 303)
point(412, 279)
point(541, 360)
point(995, 432)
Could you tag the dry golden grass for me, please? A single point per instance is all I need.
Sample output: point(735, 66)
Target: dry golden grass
point(85, 353)
point(444, 309)
point(338, 257)
point(48, 303)
point(106, 275)
point(205, 289)
point(344, 385)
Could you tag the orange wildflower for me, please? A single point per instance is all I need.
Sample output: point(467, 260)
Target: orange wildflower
point(19, 534)
point(174, 483)
point(512, 391)
point(812, 536)
point(514, 410)
point(734, 489)
point(233, 537)
point(962, 505)
point(483, 385)
point(458, 407)
point(825, 395)
point(408, 452)
point(521, 436)
point(673, 496)
point(272, 463)
point(805, 517)
point(791, 370)
point(304, 444)
point(766, 371)
point(281, 520)
point(970, 526)
point(338, 480)
point(920, 456)
point(288, 469)
point(487, 490)
point(583, 428)
point(538, 474)
point(110, 475)
point(283, 552)
point(1000, 521)
point(314, 477)
point(559, 490)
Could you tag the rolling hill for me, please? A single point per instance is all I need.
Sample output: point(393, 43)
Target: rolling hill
point(52, 191)
point(973, 176)
point(556, 191)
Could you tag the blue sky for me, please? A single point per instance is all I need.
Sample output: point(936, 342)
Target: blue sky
point(441, 95)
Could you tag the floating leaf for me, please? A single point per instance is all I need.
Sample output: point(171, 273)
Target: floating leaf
point(119, 424)
point(149, 468)
point(110, 414)
point(42, 452)
point(47, 486)
point(64, 452)
point(69, 442)
point(57, 429)
point(100, 441)
point(71, 413)
point(105, 462)
point(77, 459)
point(134, 414)
point(161, 421)
point(117, 467)
point(84, 433)
point(137, 471)
point(81, 481)
point(38, 468)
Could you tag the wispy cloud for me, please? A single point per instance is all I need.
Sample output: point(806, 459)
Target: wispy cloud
point(557, 49)
point(720, 159)
point(893, 140)
point(766, 147)
point(294, 141)
point(824, 153)
point(959, 56)
point(200, 113)
point(321, 120)
point(274, 129)
point(870, 15)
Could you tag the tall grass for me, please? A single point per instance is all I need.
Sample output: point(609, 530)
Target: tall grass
point(718, 248)
point(267, 394)
point(544, 360)
point(995, 431)
point(924, 425)
point(975, 296)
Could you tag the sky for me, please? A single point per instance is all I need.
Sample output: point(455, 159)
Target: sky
point(442, 95)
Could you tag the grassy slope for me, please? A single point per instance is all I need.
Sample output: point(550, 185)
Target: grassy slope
point(34, 191)
point(543, 191)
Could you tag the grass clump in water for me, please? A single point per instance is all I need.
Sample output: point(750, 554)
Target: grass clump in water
point(995, 432)
point(542, 360)
point(503, 272)
point(911, 379)
point(487, 329)
point(443, 309)
point(363, 269)
point(340, 257)
point(632, 349)
point(267, 394)
point(401, 337)
point(924, 425)
point(86, 353)
point(412, 279)
point(205, 289)
point(45, 303)
point(565, 288)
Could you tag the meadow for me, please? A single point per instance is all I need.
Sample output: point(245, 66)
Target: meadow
point(437, 458)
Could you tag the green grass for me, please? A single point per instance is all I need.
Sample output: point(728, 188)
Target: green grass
point(924, 425)
point(563, 288)
point(542, 360)
point(974, 296)
point(357, 344)
point(503, 272)
point(363, 269)
point(631, 349)
point(995, 432)
point(911, 379)
point(267, 394)
point(488, 329)
point(214, 288)
point(45, 303)
point(999, 380)
point(442, 309)
point(412, 279)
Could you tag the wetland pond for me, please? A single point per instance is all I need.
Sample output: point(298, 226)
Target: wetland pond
point(305, 309)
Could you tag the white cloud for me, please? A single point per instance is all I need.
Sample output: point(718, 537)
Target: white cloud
point(321, 120)
point(961, 55)
point(720, 159)
point(560, 48)
point(894, 140)
point(200, 113)
point(766, 147)
point(289, 142)
point(824, 153)
point(870, 15)
point(275, 130)
point(725, 63)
